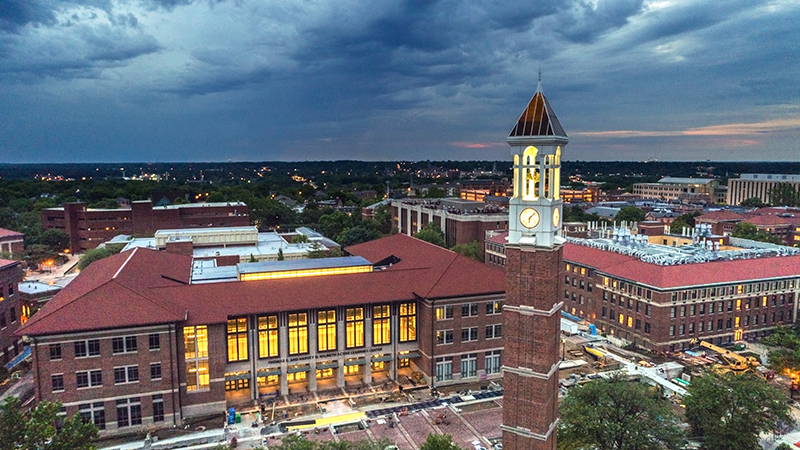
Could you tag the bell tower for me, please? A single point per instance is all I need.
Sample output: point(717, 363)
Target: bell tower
point(531, 315)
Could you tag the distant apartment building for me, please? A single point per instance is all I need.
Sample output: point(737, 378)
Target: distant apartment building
point(757, 185)
point(12, 242)
point(461, 221)
point(690, 190)
point(89, 227)
point(10, 276)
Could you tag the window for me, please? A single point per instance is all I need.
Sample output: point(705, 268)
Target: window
point(326, 330)
point(267, 336)
point(683, 329)
point(494, 331)
point(444, 337)
point(444, 312)
point(408, 322)
point(154, 341)
point(469, 310)
point(354, 318)
point(469, 365)
point(55, 352)
point(444, 368)
point(195, 341)
point(129, 412)
point(237, 339)
point(298, 333)
point(155, 371)
point(158, 408)
point(57, 381)
point(494, 308)
point(469, 334)
point(647, 327)
point(672, 330)
point(84, 349)
point(93, 413)
point(589, 287)
point(125, 344)
point(493, 361)
point(127, 374)
point(381, 325)
point(89, 378)
point(672, 312)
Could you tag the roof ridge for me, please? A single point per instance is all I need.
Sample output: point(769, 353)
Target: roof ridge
point(441, 274)
point(124, 263)
point(146, 298)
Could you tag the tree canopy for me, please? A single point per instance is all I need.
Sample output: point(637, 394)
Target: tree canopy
point(752, 202)
point(630, 214)
point(784, 194)
point(439, 442)
point(470, 250)
point(684, 220)
point(93, 255)
point(617, 414)
point(300, 442)
point(431, 233)
point(746, 230)
point(729, 411)
point(37, 429)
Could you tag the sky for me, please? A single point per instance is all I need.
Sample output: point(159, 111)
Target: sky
point(261, 80)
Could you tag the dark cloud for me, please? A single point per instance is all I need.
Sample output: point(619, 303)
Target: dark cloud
point(18, 13)
point(585, 21)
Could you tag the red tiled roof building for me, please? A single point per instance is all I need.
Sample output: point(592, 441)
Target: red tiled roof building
point(146, 337)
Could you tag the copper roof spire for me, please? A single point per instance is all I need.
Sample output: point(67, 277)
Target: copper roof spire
point(538, 119)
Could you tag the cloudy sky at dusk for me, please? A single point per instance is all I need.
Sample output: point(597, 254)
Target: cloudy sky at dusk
point(217, 80)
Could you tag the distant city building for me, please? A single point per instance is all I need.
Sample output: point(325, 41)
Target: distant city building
point(461, 221)
point(10, 276)
point(689, 190)
point(757, 185)
point(478, 190)
point(781, 222)
point(12, 242)
point(662, 291)
point(34, 294)
point(89, 227)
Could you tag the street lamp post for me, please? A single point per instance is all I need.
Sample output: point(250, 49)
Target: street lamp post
point(563, 348)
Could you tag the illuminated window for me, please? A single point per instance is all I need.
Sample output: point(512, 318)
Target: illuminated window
point(378, 366)
point(268, 336)
point(494, 308)
point(737, 322)
point(444, 337)
point(739, 289)
point(326, 330)
point(237, 339)
point(298, 333)
point(325, 373)
point(297, 376)
point(408, 322)
point(621, 318)
point(195, 341)
point(630, 321)
point(444, 312)
point(354, 318)
point(764, 301)
point(352, 369)
point(381, 325)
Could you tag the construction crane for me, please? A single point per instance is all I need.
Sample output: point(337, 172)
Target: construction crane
point(734, 362)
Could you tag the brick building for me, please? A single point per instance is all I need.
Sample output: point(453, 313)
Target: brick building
point(12, 243)
point(660, 298)
point(691, 190)
point(782, 222)
point(145, 337)
point(89, 227)
point(461, 221)
point(10, 276)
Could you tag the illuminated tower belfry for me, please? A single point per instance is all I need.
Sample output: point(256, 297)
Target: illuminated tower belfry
point(536, 143)
point(532, 310)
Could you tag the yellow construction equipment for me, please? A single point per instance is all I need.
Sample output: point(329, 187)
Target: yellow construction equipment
point(734, 362)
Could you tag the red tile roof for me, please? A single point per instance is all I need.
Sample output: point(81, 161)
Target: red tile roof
point(9, 233)
point(670, 277)
point(146, 286)
point(768, 220)
point(7, 262)
point(720, 216)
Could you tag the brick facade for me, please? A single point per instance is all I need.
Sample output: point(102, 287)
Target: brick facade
point(10, 276)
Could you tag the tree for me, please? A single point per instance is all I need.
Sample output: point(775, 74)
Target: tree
point(471, 250)
point(746, 230)
point(106, 203)
point(617, 414)
point(55, 240)
point(431, 233)
point(93, 255)
point(331, 225)
point(38, 430)
point(280, 255)
point(684, 220)
point(435, 192)
point(784, 194)
point(439, 442)
point(300, 442)
point(729, 411)
point(357, 235)
point(630, 214)
point(752, 202)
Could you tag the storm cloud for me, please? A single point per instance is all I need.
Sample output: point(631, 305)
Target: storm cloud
point(182, 80)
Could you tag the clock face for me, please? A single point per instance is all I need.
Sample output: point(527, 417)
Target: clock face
point(556, 217)
point(529, 218)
